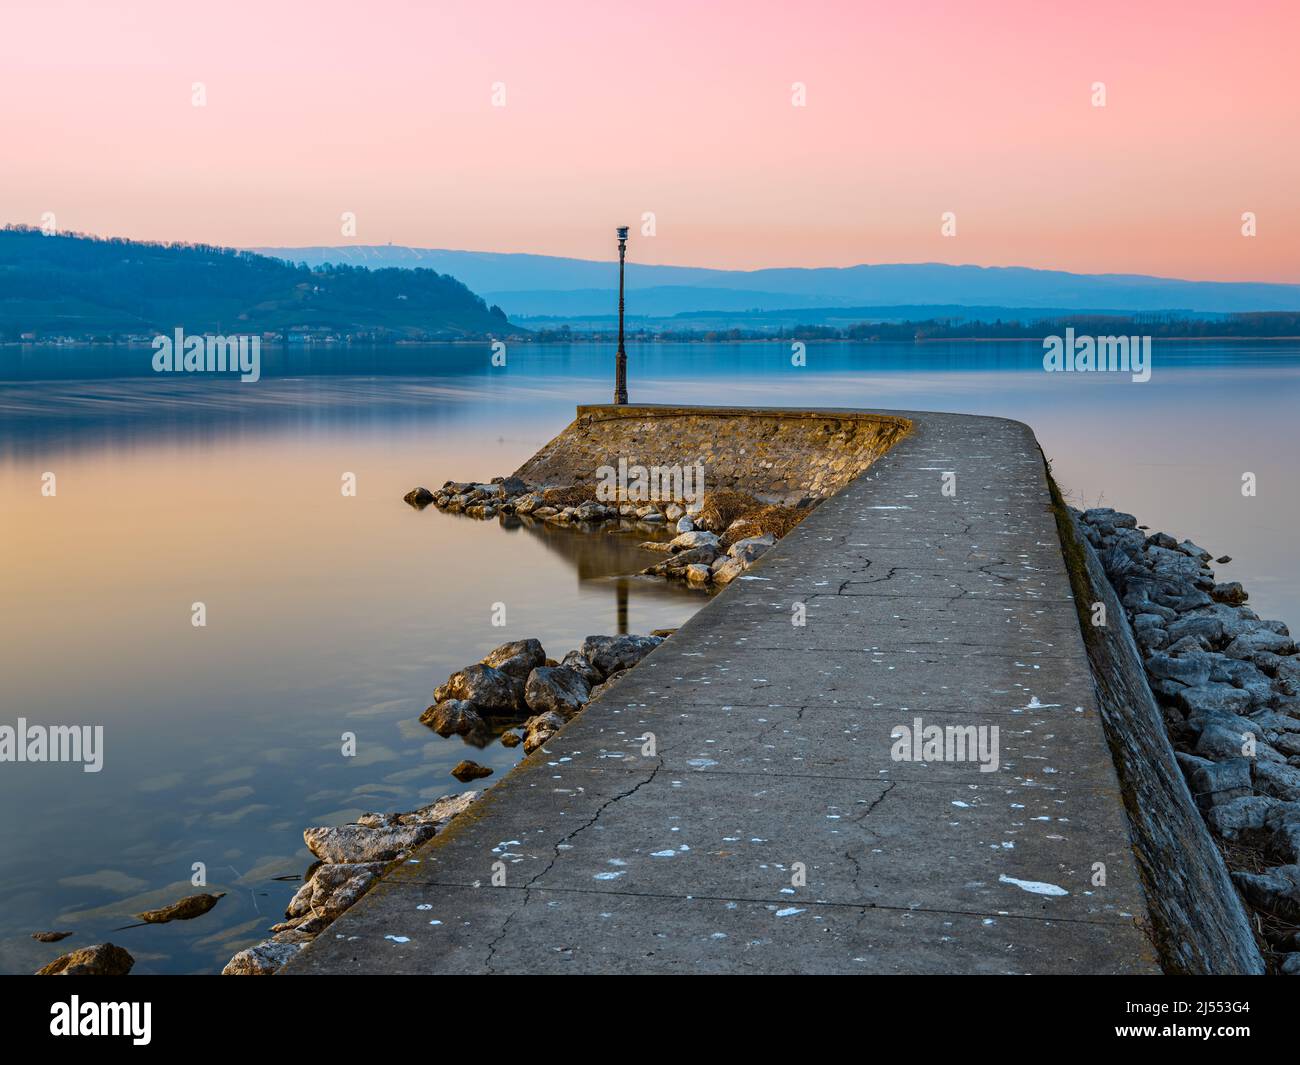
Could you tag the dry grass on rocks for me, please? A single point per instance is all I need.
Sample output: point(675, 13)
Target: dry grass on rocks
point(573, 495)
point(774, 519)
point(721, 508)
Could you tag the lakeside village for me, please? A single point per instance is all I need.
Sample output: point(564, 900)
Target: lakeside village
point(1159, 325)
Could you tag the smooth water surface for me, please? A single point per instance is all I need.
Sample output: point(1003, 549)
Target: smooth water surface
point(328, 614)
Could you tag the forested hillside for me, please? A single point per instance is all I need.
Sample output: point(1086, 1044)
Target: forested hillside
point(84, 287)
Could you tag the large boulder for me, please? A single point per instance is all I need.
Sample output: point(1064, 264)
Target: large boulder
point(516, 659)
point(350, 844)
point(609, 654)
point(540, 729)
point(103, 959)
point(1235, 818)
point(333, 888)
point(729, 571)
point(750, 549)
point(1283, 825)
point(1214, 783)
point(488, 689)
point(577, 661)
point(556, 688)
point(1191, 670)
point(1223, 698)
point(511, 486)
point(1208, 630)
point(694, 538)
point(1275, 890)
point(265, 959)
point(1249, 644)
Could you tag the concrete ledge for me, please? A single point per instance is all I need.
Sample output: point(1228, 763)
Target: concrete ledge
point(775, 454)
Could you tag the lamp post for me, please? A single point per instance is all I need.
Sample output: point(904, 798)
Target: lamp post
point(620, 360)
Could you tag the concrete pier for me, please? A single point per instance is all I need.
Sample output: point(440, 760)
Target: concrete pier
point(737, 803)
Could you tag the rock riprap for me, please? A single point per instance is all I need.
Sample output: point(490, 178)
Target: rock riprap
point(352, 859)
point(516, 681)
point(717, 538)
point(1228, 683)
point(532, 694)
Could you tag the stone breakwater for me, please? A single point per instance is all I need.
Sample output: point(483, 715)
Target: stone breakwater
point(1228, 686)
point(714, 539)
point(534, 696)
point(351, 859)
point(515, 686)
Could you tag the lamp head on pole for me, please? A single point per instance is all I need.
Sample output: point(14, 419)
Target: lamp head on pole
point(622, 234)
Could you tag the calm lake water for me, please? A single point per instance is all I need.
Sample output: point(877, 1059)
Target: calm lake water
point(328, 614)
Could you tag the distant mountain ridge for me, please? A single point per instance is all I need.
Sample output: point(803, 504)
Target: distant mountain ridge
point(79, 286)
point(527, 284)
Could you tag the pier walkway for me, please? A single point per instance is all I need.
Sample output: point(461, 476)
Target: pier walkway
point(774, 828)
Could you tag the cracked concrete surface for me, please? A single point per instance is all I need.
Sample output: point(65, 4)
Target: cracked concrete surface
point(771, 830)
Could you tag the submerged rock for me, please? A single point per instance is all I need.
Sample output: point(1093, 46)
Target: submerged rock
point(466, 770)
point(186, 909)
point(418, 498)
point(452, 717)
point(103, 959)
point(50, 937)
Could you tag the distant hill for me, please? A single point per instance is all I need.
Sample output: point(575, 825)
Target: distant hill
point(71, 285)
point(537, 285)
point(757, 321)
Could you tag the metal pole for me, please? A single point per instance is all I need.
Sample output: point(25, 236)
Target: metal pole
point(620, 360)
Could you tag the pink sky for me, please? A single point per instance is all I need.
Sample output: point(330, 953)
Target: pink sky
point(914, 108)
